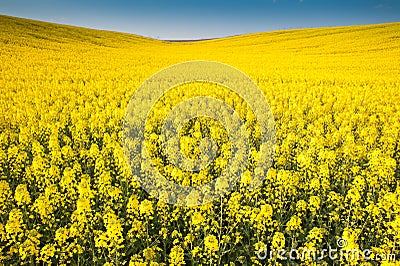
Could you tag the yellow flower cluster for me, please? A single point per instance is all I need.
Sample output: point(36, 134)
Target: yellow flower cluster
point(67, 195)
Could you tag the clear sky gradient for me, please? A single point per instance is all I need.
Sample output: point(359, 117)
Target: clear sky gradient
point(197, 19)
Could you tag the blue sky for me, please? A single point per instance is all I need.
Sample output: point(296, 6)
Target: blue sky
point(195, 19)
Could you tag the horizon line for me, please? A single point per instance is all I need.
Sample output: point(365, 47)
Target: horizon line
point(200, 39)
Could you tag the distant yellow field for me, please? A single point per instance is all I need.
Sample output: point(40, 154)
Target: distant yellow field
point(68, 197)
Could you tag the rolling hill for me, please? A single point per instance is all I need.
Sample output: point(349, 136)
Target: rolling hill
point(67, 195)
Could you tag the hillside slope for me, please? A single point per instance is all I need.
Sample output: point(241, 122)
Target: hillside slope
point(67, 196)
point(33, 31)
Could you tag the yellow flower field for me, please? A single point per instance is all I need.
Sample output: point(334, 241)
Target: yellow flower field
point(67, 195)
